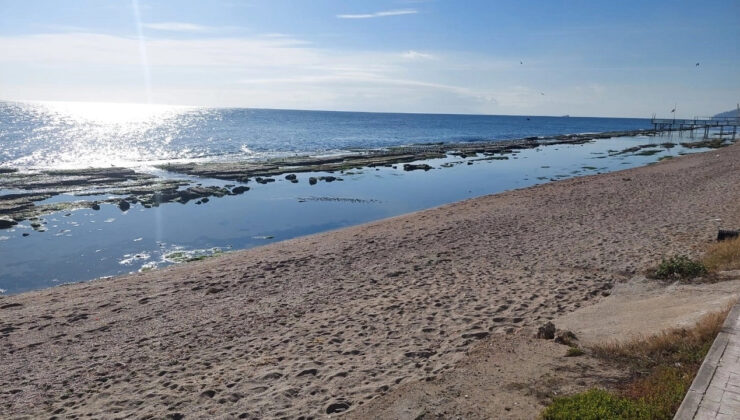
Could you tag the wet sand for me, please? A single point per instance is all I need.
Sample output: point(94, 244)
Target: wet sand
point(326, 323)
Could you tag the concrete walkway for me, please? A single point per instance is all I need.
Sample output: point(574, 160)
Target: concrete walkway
point(715, 392)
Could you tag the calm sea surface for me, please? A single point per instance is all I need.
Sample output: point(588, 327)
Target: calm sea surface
point(60, 134)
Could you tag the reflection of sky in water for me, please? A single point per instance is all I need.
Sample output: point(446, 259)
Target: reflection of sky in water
point(89, 244)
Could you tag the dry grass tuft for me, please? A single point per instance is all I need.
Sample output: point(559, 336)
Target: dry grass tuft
point(678, 345)
point(723, 255)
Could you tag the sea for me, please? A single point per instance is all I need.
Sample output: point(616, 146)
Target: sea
point(84, 244)
point(74, 135)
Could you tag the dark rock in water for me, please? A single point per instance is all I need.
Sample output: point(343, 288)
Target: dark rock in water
point(261, 180)
point(7, 223)
point(192, 193)
point(328, 178)
point(26, 234)
point(163, 197)
point(291, 177)
point(547, 331)
point(412, 167)
point(198, 202)
point(338, 407)
point(312, 181)
point(239, 190)
point(124, 205)
point(204, 200)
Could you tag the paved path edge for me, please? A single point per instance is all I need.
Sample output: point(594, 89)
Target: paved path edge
point(692, 401)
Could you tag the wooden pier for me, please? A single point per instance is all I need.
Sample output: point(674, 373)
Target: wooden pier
point(726, 126)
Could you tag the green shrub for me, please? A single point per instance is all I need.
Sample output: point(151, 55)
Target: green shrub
point(574, 351)
point(679, 267)
point(596, 404)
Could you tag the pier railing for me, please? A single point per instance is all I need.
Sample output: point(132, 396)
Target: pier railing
point(726, 125)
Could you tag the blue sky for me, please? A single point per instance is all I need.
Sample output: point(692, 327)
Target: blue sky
point(601, 58)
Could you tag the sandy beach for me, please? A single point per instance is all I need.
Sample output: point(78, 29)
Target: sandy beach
point(328, 323)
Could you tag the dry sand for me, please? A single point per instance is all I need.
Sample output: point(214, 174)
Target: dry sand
point(332, 321)
point(515, 376)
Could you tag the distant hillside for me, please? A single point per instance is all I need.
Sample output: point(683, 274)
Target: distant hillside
point(729, 114)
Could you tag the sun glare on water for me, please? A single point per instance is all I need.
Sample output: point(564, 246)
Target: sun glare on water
point(95, 134)
point(112, 113)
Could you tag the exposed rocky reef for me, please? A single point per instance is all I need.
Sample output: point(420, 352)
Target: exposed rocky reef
point(126, 185)
point(705, 143)
point(244, 171)
point(26, 192)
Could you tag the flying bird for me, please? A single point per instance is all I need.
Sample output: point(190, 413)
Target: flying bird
point(673, 110)
point(521, 62)
point(697, 64)
point(542, 93)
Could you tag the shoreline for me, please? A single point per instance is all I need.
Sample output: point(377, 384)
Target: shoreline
point(123, 229)
point(323, 323)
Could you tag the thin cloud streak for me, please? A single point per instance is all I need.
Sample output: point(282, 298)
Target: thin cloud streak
point(386, 13)
point(176, 27)
point(416, 55)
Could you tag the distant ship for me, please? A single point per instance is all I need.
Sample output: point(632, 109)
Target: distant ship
point(566, 116)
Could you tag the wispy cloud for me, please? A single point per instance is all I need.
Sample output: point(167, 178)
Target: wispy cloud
point(397, 12)
point(416, 55)
point(283, 71)
point(272, 71)
point(177, 27)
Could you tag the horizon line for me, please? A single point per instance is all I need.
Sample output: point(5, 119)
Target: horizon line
point(321, 110)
